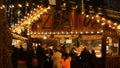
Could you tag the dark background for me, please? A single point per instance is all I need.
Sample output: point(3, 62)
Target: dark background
point(113, 4)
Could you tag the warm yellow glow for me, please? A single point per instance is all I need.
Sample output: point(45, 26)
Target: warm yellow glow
point(92, 32)
point(98, 32)
point(103, 24)
point(45, 10)
point(83, 12)
point(118, 27)
point(53, 32)
point(81, 32)
point(110, 26)
point(109, 21)
point(113, 27)
point(67, 32)
point(45, 37)
point(98, 21)
point(62, 32)
point(71, 32)
point(87, 32)
point(103, 18)
point(30, 18)
point(92, 17)
point(87, 16)
point(97, 15)
point(115, 24)
point(58, 32)
point(49, 7)
point(19, 5)
point(76, 32)
point(101, 30)
point(35, 15)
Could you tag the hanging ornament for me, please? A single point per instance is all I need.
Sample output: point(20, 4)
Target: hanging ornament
point(26, 7)
point(99, 11)
point(91, 10)
point(18, 14)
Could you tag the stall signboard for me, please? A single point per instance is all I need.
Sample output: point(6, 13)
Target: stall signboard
point(91, 37)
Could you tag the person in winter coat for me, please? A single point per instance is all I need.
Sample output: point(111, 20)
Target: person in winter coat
point(56, 58)
point(66, 61)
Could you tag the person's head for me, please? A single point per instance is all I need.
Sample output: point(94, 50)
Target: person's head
point(20, 45)
point(44, 45)
point(65, 55)
point(93, 51)
point(13, 45)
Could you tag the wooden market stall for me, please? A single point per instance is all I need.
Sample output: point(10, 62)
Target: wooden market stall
point(89, 29)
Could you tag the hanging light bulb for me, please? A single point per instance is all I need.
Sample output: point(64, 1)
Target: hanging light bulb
point(45, 37)
point(99, 11)
point(19, 5)
point(27, 4)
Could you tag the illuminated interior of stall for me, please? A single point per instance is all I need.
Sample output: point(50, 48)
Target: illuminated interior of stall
point(45, 22)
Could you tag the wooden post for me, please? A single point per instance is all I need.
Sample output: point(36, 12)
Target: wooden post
point(119, 46)
point(104, 47)
point(104, 52)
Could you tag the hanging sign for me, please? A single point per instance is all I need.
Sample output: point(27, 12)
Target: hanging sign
point(91, 37)
point(19, 37)
point(52, 2)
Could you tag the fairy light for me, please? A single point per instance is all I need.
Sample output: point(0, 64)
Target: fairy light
point(83, 12)
point(98, 32)
point(92, 32)
point(71, 32)
point(44, 37)
point(97, 15)
point(27, 4)
point(28, 33)
point(87, 16)
point(113, 27)
point(110, 26)
point(109, 21)
point(101, 31)
point(62, 32)
point(81, 32)
point(58, 32)
point(98, 21)
point(102, 24)
point(50, 32)
point(34, 15)
point(46, 33)
point(103, 18)
point(86, 32)
point(19, 5)
point(67, 32)
point(115, 24)
point(53, 32)
point(76, 32)
point(92, 17)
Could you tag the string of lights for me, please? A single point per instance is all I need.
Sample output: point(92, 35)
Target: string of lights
point(84, 7)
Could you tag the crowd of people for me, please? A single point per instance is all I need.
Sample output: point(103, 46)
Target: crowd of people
point(44, 56)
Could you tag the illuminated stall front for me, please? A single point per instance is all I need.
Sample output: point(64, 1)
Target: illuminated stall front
point(63, 27)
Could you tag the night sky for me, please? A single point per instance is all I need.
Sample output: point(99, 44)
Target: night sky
point(113, 4)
